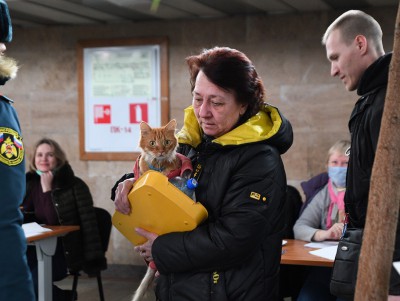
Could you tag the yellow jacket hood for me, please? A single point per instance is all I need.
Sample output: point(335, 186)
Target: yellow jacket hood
point(267, 125)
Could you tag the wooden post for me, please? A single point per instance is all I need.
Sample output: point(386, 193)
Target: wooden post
point(384, 196)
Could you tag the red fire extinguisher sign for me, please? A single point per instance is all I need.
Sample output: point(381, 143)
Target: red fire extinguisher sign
point(138, 112)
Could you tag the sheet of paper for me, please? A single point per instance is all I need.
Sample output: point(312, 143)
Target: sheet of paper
point(328, 252)
point(321, 244)
point(32, 229)
point(396, 265)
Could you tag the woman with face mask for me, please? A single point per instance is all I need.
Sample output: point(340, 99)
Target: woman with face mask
point(322, 217)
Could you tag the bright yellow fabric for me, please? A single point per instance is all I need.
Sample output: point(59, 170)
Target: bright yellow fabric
point(262, 126)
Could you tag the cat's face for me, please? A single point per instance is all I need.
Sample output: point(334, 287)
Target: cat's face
point(158, 143)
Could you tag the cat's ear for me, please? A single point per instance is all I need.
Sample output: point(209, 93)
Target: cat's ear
point(171, 126)
point(144, 127)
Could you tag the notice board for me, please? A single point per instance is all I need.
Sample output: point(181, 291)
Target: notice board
point(121, 82)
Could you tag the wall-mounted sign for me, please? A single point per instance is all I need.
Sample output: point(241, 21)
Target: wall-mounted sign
point(121, 83)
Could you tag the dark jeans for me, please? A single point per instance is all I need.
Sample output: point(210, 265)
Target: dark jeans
point(316, 286)
point(59, 267)
point(291, 280)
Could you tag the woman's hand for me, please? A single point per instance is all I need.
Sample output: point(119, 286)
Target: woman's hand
point(46, 179)
point(145, 249)
point(334, 233)
point(121, 196)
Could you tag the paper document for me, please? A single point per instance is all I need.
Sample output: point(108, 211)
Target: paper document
point(396, 265)
point(321, 244)
point(32, 229)
point(328, 252)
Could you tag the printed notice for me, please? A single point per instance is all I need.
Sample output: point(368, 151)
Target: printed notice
point(122, 89)
point(125, 73)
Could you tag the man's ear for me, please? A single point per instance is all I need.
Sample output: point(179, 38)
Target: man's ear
point(361, 43)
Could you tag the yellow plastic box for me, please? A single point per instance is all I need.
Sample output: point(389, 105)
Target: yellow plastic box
point(158, 207)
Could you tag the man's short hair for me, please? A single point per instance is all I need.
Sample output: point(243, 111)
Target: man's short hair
point(353, 23)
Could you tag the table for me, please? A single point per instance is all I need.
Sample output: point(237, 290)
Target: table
point(46, 243)
point(295, 253)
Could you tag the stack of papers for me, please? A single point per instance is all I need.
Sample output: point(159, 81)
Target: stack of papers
point(327, 249)
point(32, 229)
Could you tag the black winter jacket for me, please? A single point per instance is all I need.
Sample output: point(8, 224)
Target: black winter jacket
point(364, 125)
point(235, 254)
point(74, 206)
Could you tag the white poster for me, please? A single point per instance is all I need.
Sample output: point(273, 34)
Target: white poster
point(122, 88)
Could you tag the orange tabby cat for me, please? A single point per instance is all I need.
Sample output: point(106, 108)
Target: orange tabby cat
point(158, 153)
point(158, 148)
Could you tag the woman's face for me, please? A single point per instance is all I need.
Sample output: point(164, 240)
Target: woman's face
point(338, 159)
point(216, 110)
point(45, 159)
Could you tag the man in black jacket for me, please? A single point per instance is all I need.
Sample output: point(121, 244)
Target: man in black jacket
point(15, 278)
point(354, 48)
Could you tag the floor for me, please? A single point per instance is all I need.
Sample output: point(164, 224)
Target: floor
point(115, 288)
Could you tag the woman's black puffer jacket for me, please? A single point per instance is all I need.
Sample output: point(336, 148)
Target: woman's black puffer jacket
point(235, 254)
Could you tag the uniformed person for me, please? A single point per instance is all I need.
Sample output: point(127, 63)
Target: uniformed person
point(15, 278)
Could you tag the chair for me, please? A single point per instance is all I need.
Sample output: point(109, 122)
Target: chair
point(291, 277)
point(104, 222)
point(292, 210)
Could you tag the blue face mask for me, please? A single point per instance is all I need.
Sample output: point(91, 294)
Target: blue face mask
point(338, 175)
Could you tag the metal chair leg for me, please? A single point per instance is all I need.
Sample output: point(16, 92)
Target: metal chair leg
point(100, 284)
point(74, 286)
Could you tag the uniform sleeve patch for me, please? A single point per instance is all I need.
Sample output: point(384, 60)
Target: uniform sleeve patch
point(11, 147)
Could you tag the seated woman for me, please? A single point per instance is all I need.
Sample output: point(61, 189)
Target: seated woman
point(322, 220)
point(54, 196)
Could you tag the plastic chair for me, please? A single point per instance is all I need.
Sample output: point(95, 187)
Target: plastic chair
point(104, 222)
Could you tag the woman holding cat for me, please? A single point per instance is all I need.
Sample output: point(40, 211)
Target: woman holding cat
point(235, 140)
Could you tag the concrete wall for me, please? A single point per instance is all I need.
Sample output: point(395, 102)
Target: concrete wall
point(285, 49)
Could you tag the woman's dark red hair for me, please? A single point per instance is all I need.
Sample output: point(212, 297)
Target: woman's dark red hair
point(232, 71)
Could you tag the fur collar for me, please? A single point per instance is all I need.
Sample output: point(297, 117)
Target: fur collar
point(8, 69)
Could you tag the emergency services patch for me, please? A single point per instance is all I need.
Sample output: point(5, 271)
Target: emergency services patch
point(11, 147)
